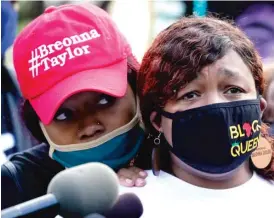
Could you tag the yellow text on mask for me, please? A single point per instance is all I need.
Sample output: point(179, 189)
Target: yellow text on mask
point(238, 131)
point(239, 149)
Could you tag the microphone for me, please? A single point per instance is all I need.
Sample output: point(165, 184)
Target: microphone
point(77, 192)
point(127, 206)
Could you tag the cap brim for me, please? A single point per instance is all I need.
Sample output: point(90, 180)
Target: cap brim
point(111, 80)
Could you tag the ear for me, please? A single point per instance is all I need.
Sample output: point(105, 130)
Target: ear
point(155, 123)
point(263, 105)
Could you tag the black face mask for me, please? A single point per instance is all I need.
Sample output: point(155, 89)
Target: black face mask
point(216, 138)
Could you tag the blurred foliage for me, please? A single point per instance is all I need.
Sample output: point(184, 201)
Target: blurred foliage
point(22, 23)
point(30, 9)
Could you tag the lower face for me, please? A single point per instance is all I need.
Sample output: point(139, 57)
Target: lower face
point(226, 80)
point(87, 116)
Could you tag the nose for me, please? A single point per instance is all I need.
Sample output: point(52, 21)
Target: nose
point(214, 97)
point(90, 130)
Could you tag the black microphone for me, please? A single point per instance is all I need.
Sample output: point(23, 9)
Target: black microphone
point(76, 192)
point(127, 206)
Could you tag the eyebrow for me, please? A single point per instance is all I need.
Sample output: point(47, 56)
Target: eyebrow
point(229, 73)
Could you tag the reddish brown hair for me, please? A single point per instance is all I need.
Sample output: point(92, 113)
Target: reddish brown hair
point(179, 52)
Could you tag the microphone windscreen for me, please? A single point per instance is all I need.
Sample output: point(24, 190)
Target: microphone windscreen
point(127, 206)
point(85, 189)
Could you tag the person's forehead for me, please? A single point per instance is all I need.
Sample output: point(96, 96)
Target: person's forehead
point(80, 98)
point(230, 65)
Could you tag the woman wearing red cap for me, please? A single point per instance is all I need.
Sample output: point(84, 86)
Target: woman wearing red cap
point(200, 87)
point(77, 74)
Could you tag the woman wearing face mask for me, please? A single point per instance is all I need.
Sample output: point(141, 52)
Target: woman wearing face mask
point(77, 74)
point(200, 87)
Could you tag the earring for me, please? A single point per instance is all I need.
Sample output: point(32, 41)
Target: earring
point(155, 157)
point(157, 140)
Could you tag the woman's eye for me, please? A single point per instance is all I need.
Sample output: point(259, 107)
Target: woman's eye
point(234, 90)
point(190, 96)
point(63, 115)
point(105, 99)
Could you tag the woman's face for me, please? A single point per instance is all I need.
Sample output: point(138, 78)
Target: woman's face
point(226, 80)
point(87, 116)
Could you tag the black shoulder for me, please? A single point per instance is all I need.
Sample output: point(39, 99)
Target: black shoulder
point(27, 174)
point(143, 160)
point(36, 158)
point(10, 192)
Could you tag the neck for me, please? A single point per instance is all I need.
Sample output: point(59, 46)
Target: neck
point(241, 175)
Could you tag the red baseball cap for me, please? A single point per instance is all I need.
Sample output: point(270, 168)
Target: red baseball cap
point(66, 50)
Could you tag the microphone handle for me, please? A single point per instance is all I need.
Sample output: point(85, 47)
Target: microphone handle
point(44, 203)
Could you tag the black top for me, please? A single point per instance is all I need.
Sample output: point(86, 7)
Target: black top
point(28, 176)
